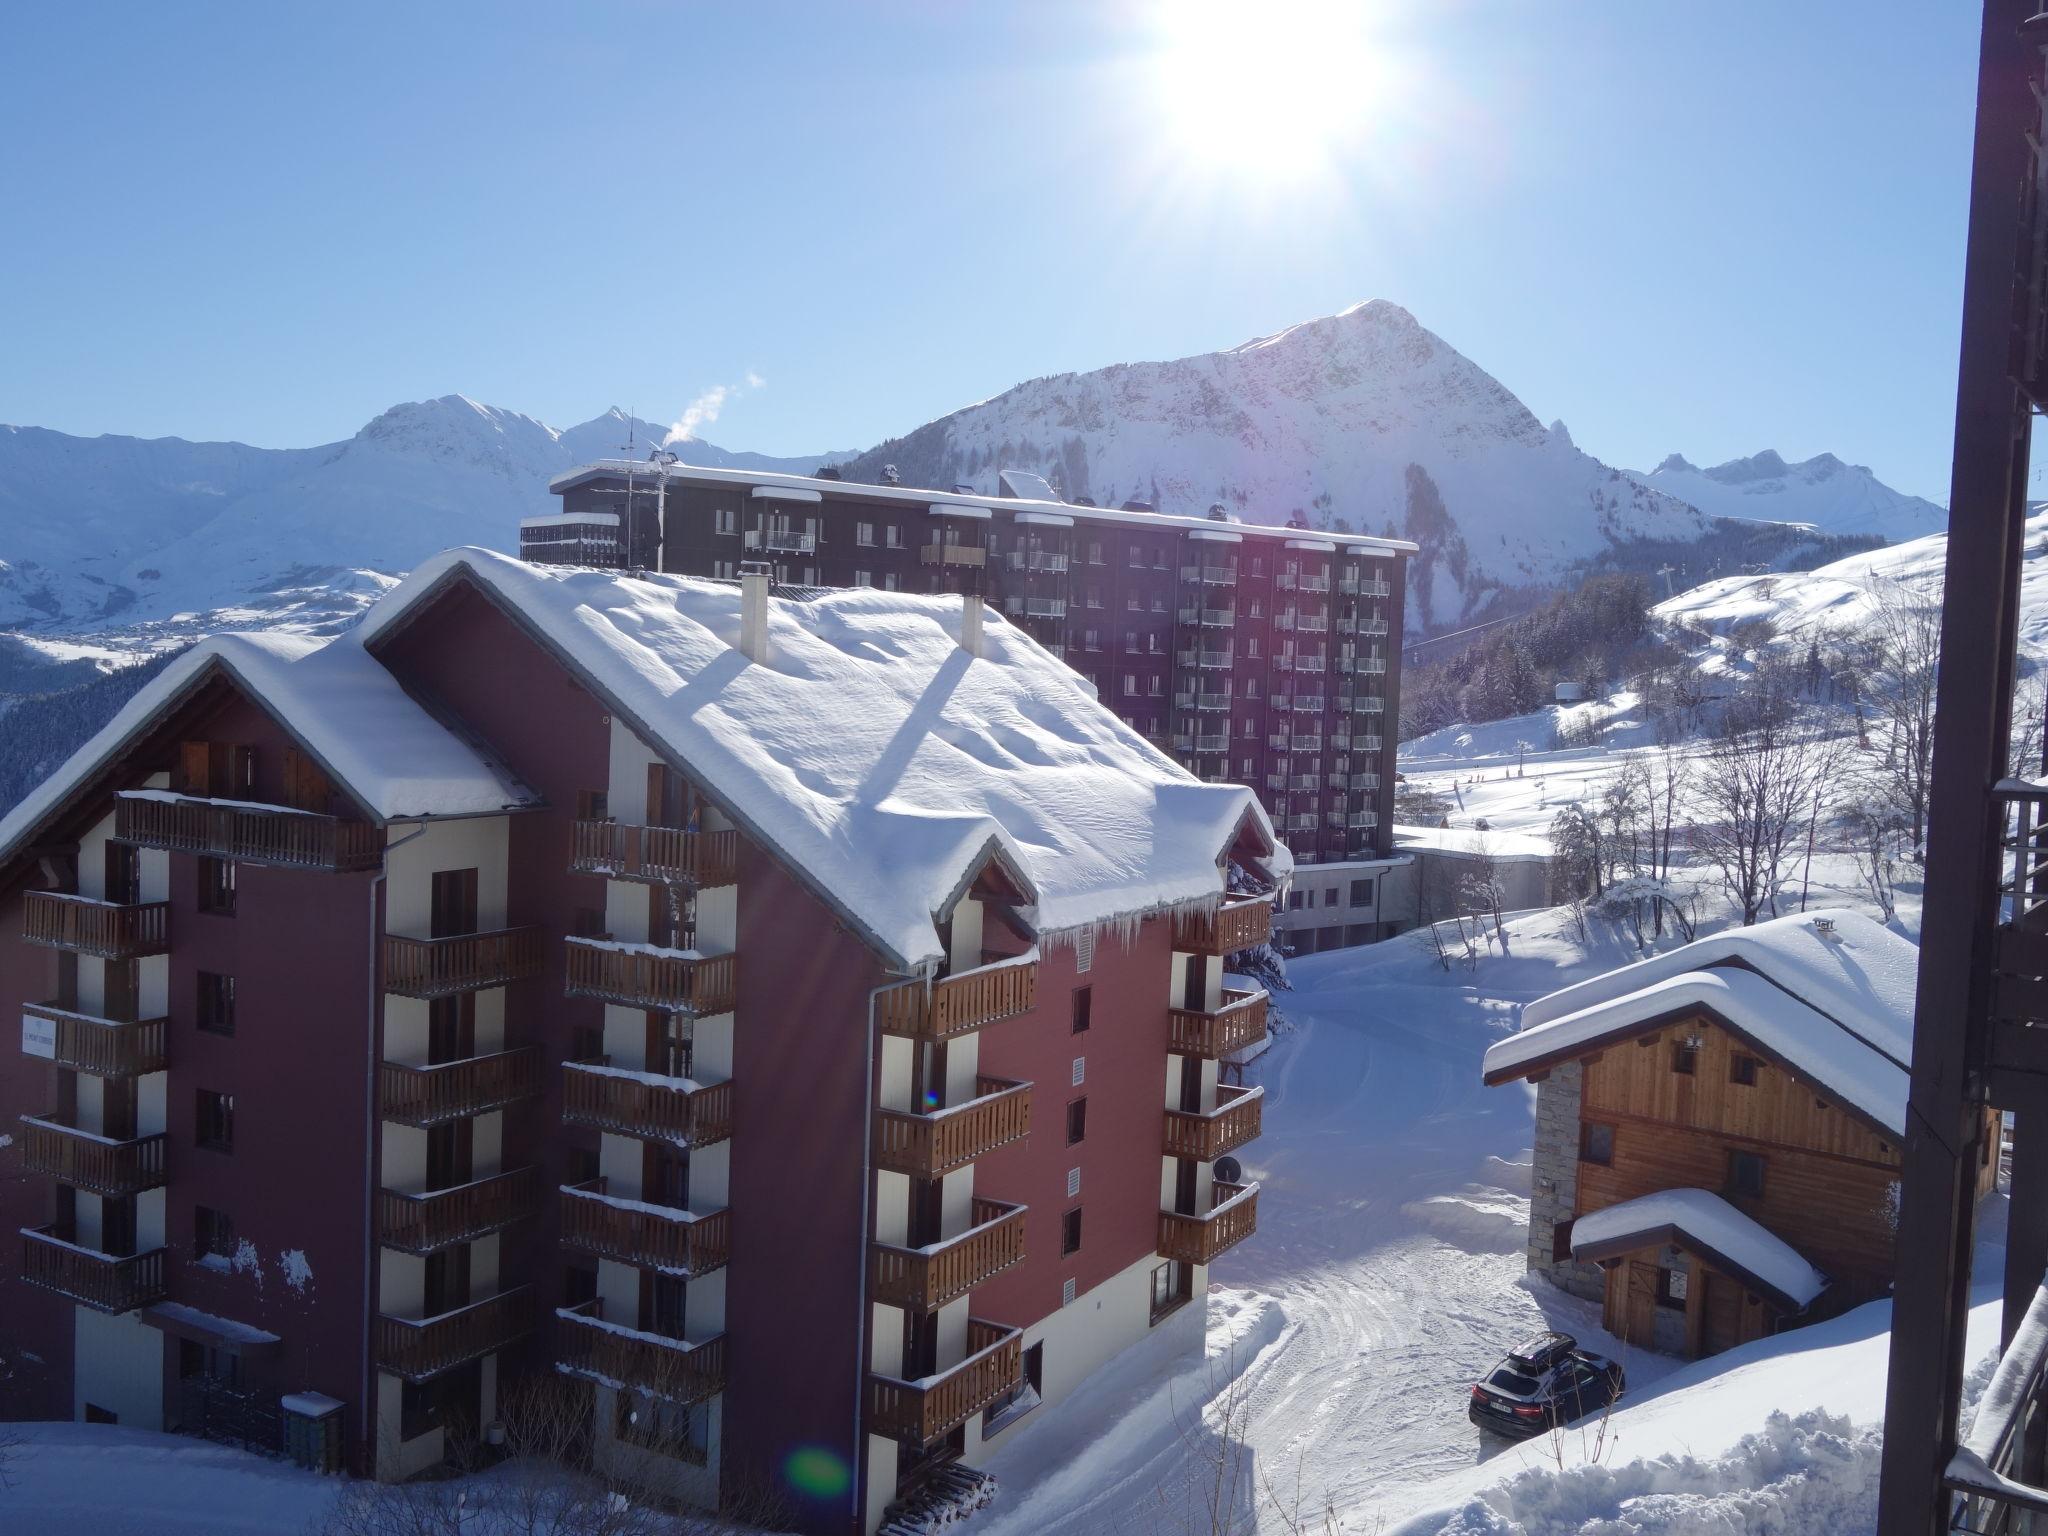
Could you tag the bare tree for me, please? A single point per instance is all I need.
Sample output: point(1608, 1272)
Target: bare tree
point(1576, 850)
point(1894, 657)
point(1874, 842)
point(1768, 774)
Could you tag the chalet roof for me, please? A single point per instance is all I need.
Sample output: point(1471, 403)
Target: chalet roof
point(1704, 1224)
point(368, 734)
point(1828, 995)
point(882, 761)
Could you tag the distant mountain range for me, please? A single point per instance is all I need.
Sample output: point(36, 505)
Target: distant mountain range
point(114, 546)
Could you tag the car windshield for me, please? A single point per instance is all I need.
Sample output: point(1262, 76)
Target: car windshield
point(1512, 1381)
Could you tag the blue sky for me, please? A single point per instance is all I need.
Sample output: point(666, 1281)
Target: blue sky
point(1703, 228)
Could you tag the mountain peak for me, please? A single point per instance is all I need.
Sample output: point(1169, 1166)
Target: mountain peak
point(1676, 461)
point(1768, 465)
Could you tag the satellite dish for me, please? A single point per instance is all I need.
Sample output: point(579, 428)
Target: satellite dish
point(1228, 1171)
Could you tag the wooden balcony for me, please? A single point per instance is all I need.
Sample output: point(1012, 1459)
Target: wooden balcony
point(274, 835)
point(99, 1047)
point(924, 1279)
point(474, 1085)
point(650, 1236)
point(621, 850)
point(1233, 926)
point(466, 962)
point(1234, 1121)
point(419, 1349)
point(671, 1109)
point(1239, 1022)
point(918, 1413)
point(92, 1163)
point(961, 1003)
point(441, 1218)
point(105, 1282)
point(110, 929)
point(644, 976)
point(675, 1370)
point(929, 1146)
point(952, 554)
point(1233, 1217)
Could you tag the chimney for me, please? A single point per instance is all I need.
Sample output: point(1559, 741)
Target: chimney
point(754, 611)
point(970, 624)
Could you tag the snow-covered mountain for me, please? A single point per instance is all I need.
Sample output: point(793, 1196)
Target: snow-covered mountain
point(1822, 491)
point(146, 535)
point(1363, 419)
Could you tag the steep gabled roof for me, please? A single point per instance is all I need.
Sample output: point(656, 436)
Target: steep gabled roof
point(370, 736)
point(880, 760)
point(1703, 1223)
point(1828, 995)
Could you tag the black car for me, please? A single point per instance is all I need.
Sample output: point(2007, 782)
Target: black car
point(1544, 1384)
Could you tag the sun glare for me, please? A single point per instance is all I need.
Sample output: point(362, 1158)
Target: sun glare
point(1283, 88)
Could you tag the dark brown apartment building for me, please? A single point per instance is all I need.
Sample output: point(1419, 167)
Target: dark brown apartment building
point(794, 1022)
point(1254, 655)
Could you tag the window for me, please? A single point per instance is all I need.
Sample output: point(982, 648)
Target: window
point(216, 1011)
point(217, 887)
point(1137, 556)
point(1361, 893)
point(1077, 1121)
point(1170, 1287)
point(888, 581)
point(213, 1233)
point(1746, 1174)
point(1596, 1143)
point(1671, 1287)
point(863, 578)
point(1329, 895)
point(724, 520)
point(208, 1362)
point(593, 805)
point(1258, 565)
point(892, 535)
point(1083, 1005)
point(216, 1122)
point(1294, 901)
point(1020, 1399)
point(1130, 685)
point(1742, 1069)
point(1685, 1057)
point(1070, 1232)
point(666, 1428)
point(723, 569)
point(864, 535)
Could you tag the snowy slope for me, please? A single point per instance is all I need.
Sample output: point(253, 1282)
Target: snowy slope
point(127, 534)
point(1823, 491)
point(1363, 416)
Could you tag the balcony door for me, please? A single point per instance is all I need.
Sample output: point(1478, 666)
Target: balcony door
point(451, 1028)
point(1195, 990)
point(668, 797)
point(124, 873)
point(671, 1049)
point(453, 911)
point(447, 1280)
point(665, 1176)
point(450, 1154)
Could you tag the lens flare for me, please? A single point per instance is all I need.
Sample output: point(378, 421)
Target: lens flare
point(816, 1472)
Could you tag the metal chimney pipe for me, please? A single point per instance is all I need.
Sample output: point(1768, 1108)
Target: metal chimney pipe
point(754, 612)
point(970, 624)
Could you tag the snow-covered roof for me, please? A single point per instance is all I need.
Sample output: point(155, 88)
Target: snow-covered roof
point(1829, 994)
point(882, 761)
point(1508, 847)
point(366, 731)
point(1705, 1224)
point(1047, 502)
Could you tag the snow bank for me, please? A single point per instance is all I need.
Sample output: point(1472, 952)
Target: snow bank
point(880, 758)
point(1705, 1221)
point(1810, 1473)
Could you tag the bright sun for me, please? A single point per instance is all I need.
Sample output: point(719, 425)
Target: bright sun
point(1281, 87)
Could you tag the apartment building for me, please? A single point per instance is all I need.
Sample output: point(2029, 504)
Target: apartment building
point(795, 1021)
point(1254, 655)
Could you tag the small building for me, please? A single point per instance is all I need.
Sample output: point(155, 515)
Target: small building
point(1718, 1130)
point(1448, 859)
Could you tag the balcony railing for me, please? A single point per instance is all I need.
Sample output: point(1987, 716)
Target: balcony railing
point(1234, 1121)
point(781, 541)
point(675, 1370)
point(952, 554)
point(1233, 926)
point(1372, 666)
point(1037, 607)
point(421, 1348)
point(441, 1218)
point(1216, 741)
point(961, 1003)
point(929, 1146)
point(1233, 1217)
point(650, 1236)
point(1038, 560)
point(96, 1164)
point(1212, 702)
point(466, 962)
point(110, 929)
point(1372, 626)
point(249, 834)
point(623, 850)
point(647, 976)
point(924, 1279)
point(1239, 1022)
point(920, 1412)
point(106, 1282)
point(1375, 589)
point(654, 1108)
point(86, 1043)
point(1369, 704)
point(454, 1090)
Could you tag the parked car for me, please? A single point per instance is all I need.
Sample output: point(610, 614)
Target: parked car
point(1542, 1385)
